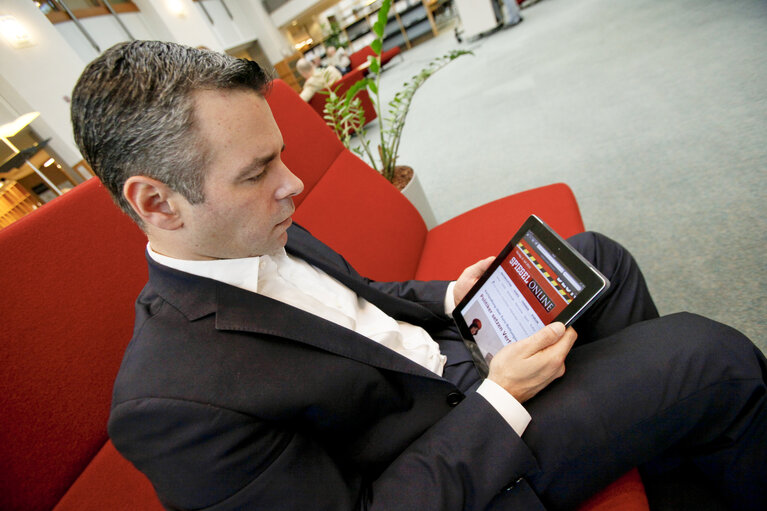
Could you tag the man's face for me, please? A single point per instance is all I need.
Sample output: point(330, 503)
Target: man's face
point(248, 190)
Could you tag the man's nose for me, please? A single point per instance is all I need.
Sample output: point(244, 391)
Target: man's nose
point(291, 185)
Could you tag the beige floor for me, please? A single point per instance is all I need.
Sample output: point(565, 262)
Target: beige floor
point(654, 112)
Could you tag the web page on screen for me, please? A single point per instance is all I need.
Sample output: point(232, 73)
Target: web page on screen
point(527, 291)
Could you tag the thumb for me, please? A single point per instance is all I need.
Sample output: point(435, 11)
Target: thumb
point(544, 338)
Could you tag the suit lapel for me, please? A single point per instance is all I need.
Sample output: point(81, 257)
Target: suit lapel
point(241, 310)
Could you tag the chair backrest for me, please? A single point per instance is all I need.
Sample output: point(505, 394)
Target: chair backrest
point(72, 272)
point(359, 57)
point(345, 201)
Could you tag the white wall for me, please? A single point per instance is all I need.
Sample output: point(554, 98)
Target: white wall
point(250, 22)
point(41, 77)
point(105, 31)
point(224, 27)
point(272, 41)
point(291, 11)
point(191, 29)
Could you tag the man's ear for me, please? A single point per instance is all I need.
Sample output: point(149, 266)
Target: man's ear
point(154, 202)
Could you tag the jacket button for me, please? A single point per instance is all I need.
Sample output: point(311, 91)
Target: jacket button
point(454, 398)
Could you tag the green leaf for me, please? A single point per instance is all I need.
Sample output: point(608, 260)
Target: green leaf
point(372, 86)
point(374, 66)
point(383, 12)
point(378, 28)
point(376, 46)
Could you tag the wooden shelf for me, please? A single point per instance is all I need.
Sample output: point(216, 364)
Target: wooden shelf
point(406, 23)
point(15, 202)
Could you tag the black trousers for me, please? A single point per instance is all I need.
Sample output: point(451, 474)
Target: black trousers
point(643, 390)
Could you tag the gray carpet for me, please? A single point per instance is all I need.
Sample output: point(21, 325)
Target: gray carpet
point(654, 112)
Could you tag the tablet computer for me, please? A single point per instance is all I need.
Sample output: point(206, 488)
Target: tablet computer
point(537, 279)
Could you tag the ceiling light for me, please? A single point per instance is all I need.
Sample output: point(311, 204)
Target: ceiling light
point(12, 128)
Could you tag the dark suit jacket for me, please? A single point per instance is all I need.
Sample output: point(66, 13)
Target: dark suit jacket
point(227, 399)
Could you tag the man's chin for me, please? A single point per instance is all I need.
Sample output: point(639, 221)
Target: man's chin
point(282, 239)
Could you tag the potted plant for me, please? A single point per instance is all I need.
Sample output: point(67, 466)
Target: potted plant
point(334, 35)
point(345, 116)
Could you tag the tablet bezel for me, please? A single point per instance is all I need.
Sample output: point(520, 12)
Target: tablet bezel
point(595, 284)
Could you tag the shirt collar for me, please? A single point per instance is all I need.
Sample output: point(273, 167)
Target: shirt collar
point(242, 273)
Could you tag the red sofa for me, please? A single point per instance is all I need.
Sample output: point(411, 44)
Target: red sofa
point(74, 267)
point(340, 87)
point(361, 56)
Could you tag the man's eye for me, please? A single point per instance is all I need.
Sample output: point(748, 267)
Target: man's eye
point(256, 177)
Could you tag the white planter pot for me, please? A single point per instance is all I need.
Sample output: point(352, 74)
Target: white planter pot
point(414, 193)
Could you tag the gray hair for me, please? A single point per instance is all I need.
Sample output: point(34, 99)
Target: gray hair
point(133, 113)
point(304, 67)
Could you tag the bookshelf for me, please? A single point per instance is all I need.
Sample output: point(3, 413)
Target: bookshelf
point(15, 202)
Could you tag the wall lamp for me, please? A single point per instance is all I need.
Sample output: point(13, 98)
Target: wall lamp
point(14, 32)
point(176, 7)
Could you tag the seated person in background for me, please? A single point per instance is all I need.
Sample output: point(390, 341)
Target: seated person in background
point(266, 373)
point(316, 78)
point(317, 62)
point(513, 15)
point(337, 57)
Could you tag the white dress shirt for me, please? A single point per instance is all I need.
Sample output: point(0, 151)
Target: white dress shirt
point(295, 282)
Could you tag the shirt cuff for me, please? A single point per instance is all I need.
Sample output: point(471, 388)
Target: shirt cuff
point(505, 404)
point(450, 299)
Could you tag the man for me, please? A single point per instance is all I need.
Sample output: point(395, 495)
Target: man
point(316, 78)
point(265, 373)
point(337, 57)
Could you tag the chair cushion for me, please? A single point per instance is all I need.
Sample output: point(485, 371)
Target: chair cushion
point(484, 231)
point(333, 212)
point(110, 482)
point(625, 494)
point(77, 269)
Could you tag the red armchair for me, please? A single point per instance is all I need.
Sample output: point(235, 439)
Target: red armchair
point(340, 87)
point(75, 266)
point(361, 56)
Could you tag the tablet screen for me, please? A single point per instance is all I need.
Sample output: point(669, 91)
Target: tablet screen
point(530, 285)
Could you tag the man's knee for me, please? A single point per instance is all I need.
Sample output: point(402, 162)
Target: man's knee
point(712, 346)
point(601, 251)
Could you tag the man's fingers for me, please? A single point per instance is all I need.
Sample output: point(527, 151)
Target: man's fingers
point(485, 263)
point(476, 270)
point(570, 337)
point(469, 277)
point(543, 338)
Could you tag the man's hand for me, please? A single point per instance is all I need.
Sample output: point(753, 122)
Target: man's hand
point(469, 277)
point(525, 367)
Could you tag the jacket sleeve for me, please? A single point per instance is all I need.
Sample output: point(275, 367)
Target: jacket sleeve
point(461, 463)
point(429, 294)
